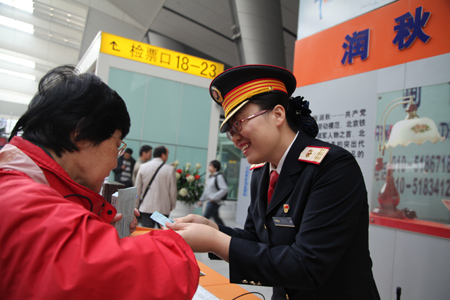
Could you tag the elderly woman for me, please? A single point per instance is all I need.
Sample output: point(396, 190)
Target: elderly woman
point(55, 235)
point(306, 232)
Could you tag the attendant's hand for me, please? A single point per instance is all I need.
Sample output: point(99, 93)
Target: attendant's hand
point(203, 238)
point(197, 219)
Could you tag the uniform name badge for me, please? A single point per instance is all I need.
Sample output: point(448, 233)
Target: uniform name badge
point(283, 221)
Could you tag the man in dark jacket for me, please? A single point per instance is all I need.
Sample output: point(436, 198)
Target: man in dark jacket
point(124, 169)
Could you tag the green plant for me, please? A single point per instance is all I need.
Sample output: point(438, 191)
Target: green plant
point(189, 182)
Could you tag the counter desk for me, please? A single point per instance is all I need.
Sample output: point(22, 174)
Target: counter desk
point(213, 282)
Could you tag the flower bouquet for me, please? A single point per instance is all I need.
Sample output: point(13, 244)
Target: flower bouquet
point(189, 184)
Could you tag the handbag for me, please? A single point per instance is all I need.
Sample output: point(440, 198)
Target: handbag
point(148, 186)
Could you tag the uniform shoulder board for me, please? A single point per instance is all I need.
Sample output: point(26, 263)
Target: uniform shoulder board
point(257, 166)
point(313, 154)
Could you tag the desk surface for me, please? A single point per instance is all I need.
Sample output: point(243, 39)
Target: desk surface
point(212, 281)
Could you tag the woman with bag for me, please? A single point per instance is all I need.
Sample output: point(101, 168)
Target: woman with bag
point(215, 190)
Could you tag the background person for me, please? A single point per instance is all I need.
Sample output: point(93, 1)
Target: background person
point(55, 235)
point(306, 233)
point(124, 169)
point(162, 194)
point(145, 154)
point(213, 194)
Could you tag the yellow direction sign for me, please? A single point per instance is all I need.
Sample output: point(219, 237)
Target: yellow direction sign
point(149, 54)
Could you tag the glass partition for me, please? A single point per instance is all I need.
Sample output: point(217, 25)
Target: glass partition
point(230, 158)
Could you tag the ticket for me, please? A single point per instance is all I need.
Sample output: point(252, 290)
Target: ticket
point(160, 218)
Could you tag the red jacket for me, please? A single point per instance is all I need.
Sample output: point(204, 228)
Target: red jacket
point(56, 241)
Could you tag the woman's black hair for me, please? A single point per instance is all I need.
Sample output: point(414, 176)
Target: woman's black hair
point(298, 114)
point(69, 102)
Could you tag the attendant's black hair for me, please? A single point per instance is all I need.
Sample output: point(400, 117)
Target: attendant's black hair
point(69, 102)
point(160, 150)
point(215, 164)
point(298, 114)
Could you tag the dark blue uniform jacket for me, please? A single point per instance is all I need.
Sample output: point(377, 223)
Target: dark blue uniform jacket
point(325, 255)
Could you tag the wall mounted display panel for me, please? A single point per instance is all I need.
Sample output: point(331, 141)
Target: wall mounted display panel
point(162, 110)
point(132, 87)
point(193, 127)
point(420, 172)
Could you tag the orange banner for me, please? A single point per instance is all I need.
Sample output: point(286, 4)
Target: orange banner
point(318, 57)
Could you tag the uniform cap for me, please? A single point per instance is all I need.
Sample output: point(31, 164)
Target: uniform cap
point(235, 87)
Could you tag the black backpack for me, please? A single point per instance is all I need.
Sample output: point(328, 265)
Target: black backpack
point(217, 186)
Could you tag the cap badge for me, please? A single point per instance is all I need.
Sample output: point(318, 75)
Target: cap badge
point(217, 95)
point(313, 154)
point(286, 208)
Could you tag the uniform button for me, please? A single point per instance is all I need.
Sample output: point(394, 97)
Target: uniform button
point(259, 283)
point(244, 281)
point(265, 226)
point(252, 282)
point(109, 212)
point(287, 296)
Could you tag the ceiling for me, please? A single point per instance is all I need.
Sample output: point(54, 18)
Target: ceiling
point(64, 29)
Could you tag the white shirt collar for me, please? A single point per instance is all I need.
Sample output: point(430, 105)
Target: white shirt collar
point(281, 162)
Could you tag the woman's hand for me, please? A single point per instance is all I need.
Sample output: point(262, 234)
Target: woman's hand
point(116, 218)
point(198, 220)
point(203, 238)
point(133, 224)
